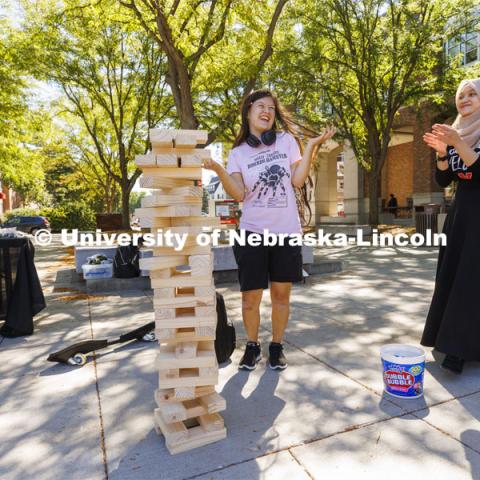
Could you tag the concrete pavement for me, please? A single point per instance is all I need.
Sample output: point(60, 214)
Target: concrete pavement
point(325, 416)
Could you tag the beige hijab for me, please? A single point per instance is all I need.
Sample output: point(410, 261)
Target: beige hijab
point(468, 127)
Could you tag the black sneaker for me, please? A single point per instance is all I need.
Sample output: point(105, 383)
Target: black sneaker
point(277, 360)
point(251, 356)
point(453, 364)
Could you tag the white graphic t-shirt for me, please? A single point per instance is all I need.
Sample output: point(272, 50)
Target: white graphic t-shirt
point(269, 202)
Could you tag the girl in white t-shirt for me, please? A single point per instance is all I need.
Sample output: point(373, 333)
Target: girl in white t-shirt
point(264, 168)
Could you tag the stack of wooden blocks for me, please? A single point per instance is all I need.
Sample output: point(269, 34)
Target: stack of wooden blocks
point(184, 292)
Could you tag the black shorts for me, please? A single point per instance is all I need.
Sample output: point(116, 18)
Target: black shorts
point(259, 264)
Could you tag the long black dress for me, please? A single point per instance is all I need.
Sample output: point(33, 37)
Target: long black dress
point(453, 321)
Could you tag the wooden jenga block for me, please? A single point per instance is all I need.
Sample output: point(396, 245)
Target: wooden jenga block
point(190, 173)
point(213, 402)
point(177, 280)
point(187, 434)
point(211, 422)
point(171, 211)
point(166, 160)
point(201, 264)
point(164, 274)
point(191, 160)
point(162, 138)
point(182, 410)
point(186, 334)
point(145, 160)
point(159, 200)
point(202, 355)
point(159, 263)
point(177, 138)
point(195, 220)
point(187, 377)
point(184, 321)
point(180, 152)
point(178, 395)
point(183, 300)
point(159, 181)
point(187, 191)
point(169, 311)
point(186, 349)
point(164, 293)
point(164, 313)
point(188, 250)
point(154, 223)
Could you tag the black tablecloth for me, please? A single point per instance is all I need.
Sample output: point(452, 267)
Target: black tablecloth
point(21, 296)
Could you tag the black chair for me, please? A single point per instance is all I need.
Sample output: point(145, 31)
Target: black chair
point(21, 296)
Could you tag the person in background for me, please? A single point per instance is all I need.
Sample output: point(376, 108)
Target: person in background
point(392, 205)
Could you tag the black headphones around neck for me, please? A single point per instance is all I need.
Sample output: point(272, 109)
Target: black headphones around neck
point(267, 138)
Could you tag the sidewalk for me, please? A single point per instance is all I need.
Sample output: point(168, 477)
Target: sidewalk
point(324, 417)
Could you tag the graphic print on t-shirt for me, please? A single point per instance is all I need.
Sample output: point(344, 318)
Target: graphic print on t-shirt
point(269, 188)
point(271, 178)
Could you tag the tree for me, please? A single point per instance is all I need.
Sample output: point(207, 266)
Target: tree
point(369, 58)
point(112, 77)
point(193, 35)
point(20, 164)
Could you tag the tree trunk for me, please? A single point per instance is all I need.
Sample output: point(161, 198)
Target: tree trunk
point(180, 83)
point(126, 207)
point(373, 192)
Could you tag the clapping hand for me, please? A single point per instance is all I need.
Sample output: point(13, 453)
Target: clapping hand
point(446, 134)
point(433, 142)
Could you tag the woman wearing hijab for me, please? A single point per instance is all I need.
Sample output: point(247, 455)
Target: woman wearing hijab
point(453, 321)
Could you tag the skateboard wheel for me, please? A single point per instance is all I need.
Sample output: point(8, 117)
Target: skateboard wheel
point(149, 337)
point(78, 359)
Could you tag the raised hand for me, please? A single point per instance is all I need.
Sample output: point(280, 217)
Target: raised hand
point(433, 142)
point(328, 133)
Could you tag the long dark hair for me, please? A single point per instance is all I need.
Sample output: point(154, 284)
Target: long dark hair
point(284, 122)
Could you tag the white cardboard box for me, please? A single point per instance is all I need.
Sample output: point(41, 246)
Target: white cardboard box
point(104, 270)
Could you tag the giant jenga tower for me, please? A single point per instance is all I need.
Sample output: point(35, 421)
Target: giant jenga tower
point(184, 292)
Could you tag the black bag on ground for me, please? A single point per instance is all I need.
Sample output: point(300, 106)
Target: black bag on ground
point(225, 339)
point(126, 262)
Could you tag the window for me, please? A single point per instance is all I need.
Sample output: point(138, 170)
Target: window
point(466, 46)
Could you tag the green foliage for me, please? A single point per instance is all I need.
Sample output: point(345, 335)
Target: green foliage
point(112, 78)
point(70, 215)
point(21, 212)
point(135, 200)
point(205, 198)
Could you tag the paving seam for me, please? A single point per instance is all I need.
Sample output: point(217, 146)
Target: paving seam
point(391, 401)
point(446, 433)
point(299, 444)
point(97, 388)
point(300, 464)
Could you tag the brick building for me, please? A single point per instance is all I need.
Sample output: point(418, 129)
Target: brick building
point(409, 171)
point(9, 199)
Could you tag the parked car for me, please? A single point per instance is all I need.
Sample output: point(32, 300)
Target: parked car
point(27, 224)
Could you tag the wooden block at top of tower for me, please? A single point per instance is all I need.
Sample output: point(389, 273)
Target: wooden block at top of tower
point(177, 138)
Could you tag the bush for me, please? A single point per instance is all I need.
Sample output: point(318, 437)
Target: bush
point(23, 212)
point(70, 215)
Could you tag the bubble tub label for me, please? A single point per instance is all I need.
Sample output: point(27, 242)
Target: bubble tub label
point(403, 380)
